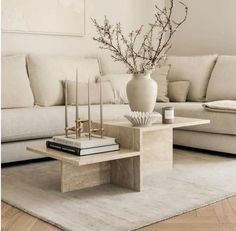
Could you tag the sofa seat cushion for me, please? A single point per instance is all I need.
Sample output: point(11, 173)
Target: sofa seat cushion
point(223, 123)
point(44, 122)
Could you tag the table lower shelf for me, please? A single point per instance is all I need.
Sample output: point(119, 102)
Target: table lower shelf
point(78, 172)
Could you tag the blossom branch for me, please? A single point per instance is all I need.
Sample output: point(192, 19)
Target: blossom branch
point(154, 44)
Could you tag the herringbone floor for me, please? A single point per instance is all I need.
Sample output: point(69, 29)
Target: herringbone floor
point(220, 216)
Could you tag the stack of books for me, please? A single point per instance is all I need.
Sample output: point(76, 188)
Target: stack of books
point(83, 145)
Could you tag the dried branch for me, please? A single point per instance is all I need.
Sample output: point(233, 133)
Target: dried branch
point(154, 44)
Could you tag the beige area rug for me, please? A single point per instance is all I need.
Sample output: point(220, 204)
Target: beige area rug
point(196, 180)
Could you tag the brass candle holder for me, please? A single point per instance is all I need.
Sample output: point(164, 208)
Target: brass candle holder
point(78, 128)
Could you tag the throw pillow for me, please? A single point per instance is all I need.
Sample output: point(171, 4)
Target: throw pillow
point(118, 83)
point(178, 91)
point(196, 69)
point(160, 76)
point(16, 91)
point(107, 93)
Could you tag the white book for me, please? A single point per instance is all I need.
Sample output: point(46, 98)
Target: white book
point(84, 141)
point(90, 151)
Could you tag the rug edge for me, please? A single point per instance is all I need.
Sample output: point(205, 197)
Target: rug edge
point(139, 227)
point(29, 212)
point(187, 211)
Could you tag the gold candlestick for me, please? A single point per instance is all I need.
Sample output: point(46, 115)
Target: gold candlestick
point(78, 122)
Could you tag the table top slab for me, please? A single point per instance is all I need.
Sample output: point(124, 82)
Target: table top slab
point(178, 123)
point(83, 160)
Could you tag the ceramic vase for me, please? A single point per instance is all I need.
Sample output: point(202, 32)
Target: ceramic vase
point(142, 93)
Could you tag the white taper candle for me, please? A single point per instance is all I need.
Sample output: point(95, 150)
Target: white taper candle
point(76, 100)
point(66, 114)
point(101, 109)
point(89, 115)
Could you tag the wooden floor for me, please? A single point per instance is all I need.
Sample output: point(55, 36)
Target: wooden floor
point(220, 216)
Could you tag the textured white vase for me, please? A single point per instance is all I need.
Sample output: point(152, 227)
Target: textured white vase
point(142, 93)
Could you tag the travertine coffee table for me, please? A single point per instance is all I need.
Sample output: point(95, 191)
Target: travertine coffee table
point(144, 150)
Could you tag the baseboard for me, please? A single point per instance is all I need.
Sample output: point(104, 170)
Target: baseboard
point(23, 162)
point(205, 151)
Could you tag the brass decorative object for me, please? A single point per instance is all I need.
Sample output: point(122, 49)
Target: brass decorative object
point(78, 128)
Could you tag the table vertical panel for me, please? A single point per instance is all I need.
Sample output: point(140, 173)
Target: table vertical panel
point(79, 177)
point(126, 173)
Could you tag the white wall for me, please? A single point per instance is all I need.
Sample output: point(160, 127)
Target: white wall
point(210, 28)
point(131, 13)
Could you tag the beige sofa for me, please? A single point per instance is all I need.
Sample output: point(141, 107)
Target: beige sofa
point(32, 101)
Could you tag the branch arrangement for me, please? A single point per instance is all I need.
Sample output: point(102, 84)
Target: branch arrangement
point(141, 53)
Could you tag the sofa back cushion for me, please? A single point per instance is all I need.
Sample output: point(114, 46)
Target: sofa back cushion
point(222, 84)
point(195, 69)
point(16, 91)
point(47, 73)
